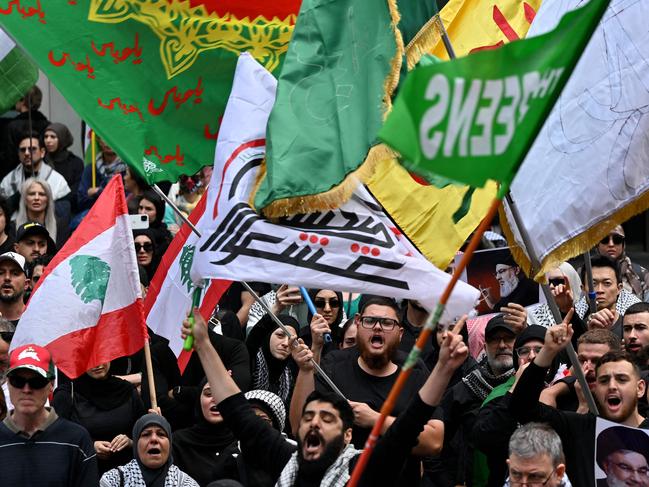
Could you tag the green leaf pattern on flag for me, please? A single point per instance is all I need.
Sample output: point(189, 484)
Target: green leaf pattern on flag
point(90, 277)
point(186, 259)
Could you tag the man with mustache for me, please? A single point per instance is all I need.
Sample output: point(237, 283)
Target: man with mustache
point(515, 287)
point(623, 454)
point(12, 286)
point(635, 328)
point(365, 375)
point(617, 390)
point(462, 402)
point(324, 455)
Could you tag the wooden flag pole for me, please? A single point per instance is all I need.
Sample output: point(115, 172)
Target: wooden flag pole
point(556, 313)
point(149, 374)
point(93, 157)
point(408, 365)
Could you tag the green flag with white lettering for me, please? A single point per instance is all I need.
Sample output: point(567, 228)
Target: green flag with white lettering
point(475, 118)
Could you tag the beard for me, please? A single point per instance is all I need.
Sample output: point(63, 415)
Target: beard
point(374, 361)
point(500, 364)
point(508, 285)
point(315, 469)
point(11, 298)
point(613, 481)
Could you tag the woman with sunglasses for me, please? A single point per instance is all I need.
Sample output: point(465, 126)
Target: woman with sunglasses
point(635, 278)
point(145, 251)
point(566, 287)
point(329, 305)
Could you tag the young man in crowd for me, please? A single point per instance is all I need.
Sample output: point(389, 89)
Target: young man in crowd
point(324, 453)
point(12, 286)
point(33, 241)
point(617, 390)
point(36, 446)
point(635, 328)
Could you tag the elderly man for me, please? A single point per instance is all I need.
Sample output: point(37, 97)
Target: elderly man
point(515, 287)
point(35, 444)
point(623, 455)
point(536, 457)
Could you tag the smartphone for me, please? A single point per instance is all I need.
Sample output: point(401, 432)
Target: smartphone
point(139, 222)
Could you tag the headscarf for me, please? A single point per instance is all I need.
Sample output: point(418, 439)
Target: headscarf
point(335, 326)
point(197, 447)
point(152, 477)
point(155, 258)
point(65, 141)
point(105, 394)
point(269, 373)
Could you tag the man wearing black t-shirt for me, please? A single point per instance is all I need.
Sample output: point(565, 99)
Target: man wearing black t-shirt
point(365, 376)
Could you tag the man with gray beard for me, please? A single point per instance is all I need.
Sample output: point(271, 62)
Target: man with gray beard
point(515, 287)
point(462, 402)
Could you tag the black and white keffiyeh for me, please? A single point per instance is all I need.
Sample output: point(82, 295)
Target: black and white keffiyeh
point(261, 378)
point(336, 475)
point(130, 475)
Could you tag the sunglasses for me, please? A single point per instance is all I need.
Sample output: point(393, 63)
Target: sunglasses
point(555, 281)
point(322, 302)
point(617, 239)
point(36, 382)
point(147, 247)
point(27, 149)
point(7, 335)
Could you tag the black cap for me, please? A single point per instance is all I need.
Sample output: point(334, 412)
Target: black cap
point(34, 228)
point(497, 323)
point(532, 332)
point(621, 438)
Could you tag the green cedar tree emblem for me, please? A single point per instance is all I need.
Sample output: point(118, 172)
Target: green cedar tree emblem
point(90, 277)
point(186, 259)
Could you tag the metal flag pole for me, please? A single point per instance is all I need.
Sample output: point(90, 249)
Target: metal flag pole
point(592, 304)
point(261, 302)
point(556, 313)
point(445, 39)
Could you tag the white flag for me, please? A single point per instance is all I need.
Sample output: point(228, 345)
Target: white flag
point(588, 170)
point(355, 248)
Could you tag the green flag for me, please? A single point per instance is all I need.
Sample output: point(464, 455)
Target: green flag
point(342, 65)
point(474, 118)
point(152, 77)
point(17, 73)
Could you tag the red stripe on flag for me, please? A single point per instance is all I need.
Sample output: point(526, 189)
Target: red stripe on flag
point(530, 13)
point(117, 334)
point(100, 218)
point(233, 156)
point(504, 26)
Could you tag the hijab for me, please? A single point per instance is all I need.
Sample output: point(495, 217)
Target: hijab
point(196, 448)
point(65, 140)
point(155, 258)
point(105, 394)
point(335, 326)
point(153, 477)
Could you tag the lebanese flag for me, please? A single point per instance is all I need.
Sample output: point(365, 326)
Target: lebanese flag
point(87, 307)
point(169, 297)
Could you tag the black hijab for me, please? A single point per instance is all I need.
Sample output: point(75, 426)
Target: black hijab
point(196, 448)
point(65, 140)
point(155, 259)
point(105, 394)
point(153, 477)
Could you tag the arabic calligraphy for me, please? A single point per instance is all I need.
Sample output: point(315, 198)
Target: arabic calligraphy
point(118, 56)
point(124, 107)
point(178, 98)
point(209, 135)
point(79, 66)
point(25, 12)
point(178, 157)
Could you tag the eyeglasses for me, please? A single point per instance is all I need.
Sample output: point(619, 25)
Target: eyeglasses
point(27, 149)
point(36, 382)
point(7, 335)
point(555, 281)
point(616, 237)
point(629, 470)
point(525, 351)
point(531, 482)
point(147, 247)
point(322, 302)
point(387, 324)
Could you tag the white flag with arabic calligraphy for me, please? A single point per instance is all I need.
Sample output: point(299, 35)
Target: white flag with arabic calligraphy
point(354, 248)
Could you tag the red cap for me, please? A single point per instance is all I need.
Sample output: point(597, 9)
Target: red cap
point(31, 357)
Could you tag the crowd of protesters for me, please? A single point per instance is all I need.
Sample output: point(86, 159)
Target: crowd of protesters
point(249, 408)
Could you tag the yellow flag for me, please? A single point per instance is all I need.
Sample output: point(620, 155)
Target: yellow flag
point(425, 213)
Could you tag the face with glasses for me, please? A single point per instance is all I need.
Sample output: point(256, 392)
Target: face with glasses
point(534, 471)
point(626, 467)
point(28, 391)
point(30, 154)
point(378, 334)
point(528, 351)
point(612, 245)
point(507, 277)
point(143, 250)
point(327, 304)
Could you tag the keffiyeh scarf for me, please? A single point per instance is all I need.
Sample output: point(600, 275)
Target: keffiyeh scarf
point(336, 475)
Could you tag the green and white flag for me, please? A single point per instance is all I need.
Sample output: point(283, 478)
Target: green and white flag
point(17, 73)
point(474, 118)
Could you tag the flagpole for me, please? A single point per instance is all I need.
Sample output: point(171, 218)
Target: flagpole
point(93, 157)
point(592, 304)
point(445, 39)
point(261, 302)
point(431, 324)
point(149, 374)
point(556, 313)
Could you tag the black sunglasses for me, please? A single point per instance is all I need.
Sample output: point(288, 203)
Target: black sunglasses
point(147, 247)
point(555, 281)
point(7, 335)
point(322, 302)
point(617, 239)
point(36, 382)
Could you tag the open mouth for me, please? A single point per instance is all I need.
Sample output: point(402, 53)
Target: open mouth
point(377, 341)
point(154, 451)
point(312, 445)
point(634, 347)
point(613, 402)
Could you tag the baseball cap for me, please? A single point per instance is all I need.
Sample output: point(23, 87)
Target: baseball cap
point(15, 257)
point(497, 323)
point(34, 228)
point(32, 357)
